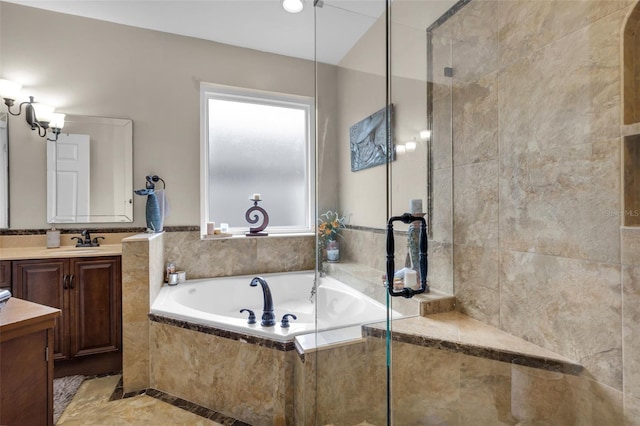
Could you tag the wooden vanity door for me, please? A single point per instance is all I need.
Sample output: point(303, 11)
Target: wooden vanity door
point(43, 281)
point(95, 306)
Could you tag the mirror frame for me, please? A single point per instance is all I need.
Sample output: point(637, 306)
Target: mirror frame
point(4, 170)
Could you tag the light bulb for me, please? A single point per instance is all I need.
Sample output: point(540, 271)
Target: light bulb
point(57, 122)
point(400, 149)
point(44, 112)
point(410, 146)
point(425, 134)
point(9, 89)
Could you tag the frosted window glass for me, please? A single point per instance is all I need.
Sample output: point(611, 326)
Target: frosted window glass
point(258, 147)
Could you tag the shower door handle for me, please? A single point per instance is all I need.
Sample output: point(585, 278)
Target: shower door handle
point(406, 291)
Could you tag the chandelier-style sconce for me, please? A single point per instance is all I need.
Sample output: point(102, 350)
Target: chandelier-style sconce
point(39, 116)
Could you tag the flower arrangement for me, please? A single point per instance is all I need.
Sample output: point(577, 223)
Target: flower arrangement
point(330, 224)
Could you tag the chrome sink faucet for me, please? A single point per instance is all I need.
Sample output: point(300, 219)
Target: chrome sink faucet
point(86, 241)
point(268, 317)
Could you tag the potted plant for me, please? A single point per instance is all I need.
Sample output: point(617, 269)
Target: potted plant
point(329, 226)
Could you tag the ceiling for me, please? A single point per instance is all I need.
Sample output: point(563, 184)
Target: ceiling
point(255, 24)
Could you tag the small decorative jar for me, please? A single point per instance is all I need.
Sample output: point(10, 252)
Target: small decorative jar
point(333, 251)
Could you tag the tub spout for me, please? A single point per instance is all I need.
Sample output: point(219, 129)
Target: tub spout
point(268, 317)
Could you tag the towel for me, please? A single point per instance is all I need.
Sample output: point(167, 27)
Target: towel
point(163, 202)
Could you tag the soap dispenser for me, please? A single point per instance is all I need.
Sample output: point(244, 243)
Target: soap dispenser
point(53, 238)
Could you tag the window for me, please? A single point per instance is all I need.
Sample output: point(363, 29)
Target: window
point(256, 142)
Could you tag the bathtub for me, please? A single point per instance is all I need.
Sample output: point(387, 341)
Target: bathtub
point(216, 302)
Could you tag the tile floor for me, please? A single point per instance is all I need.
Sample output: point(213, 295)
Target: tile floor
point(93, 405)
point(98, 402)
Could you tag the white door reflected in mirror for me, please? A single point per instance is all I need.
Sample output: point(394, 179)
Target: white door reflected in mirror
point(93, 185)
point(68, 178)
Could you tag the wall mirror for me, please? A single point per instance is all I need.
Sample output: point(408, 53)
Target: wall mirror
point(90, 171)
point(4, 170)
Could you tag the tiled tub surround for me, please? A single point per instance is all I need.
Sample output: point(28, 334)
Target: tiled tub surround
point(143, 260)
point(239, 255)
point(446, 368)
point(252, 382)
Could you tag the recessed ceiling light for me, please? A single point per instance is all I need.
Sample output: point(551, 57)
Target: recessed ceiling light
point(293, 6)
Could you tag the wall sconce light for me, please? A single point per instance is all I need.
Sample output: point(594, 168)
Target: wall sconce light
point(411, 145)
point(425, 134)
point(38, 115)
point(400, 149)
point(293, 6)
point(56, 125)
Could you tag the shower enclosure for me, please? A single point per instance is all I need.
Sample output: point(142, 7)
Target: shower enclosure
point(504, 122)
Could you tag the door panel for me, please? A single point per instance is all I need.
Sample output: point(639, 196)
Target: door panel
point(68, 177)
point(95, 306)
point(43, 282)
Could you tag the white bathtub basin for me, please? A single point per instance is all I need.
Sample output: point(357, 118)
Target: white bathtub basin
point(217, 302)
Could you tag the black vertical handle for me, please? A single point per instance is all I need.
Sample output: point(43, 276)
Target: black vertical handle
point(406, 291)
point(423, 255)
point(71, 281)
point(390, 255)
point(65, 282)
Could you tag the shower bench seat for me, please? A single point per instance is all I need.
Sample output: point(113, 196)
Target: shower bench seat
point(456, 332)
point(430, 320)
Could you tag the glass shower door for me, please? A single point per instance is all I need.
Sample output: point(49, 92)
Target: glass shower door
point(349, 367)
point(382, 152)
point(420, 390)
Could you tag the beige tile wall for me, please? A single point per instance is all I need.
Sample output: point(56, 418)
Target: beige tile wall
point(238, 256)
point(248, 382)
point(432, 386)
point(142, 277)
point(538, 248)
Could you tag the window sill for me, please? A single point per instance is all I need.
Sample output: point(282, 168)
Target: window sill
point(274, 235)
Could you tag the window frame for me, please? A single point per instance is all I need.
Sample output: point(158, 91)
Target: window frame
point(224, 92)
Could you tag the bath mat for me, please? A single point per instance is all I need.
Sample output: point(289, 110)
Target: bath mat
point(64, 389)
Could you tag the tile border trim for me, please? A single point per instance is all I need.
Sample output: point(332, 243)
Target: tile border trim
point(244, 338)
point(183, 404)
point(514, 358)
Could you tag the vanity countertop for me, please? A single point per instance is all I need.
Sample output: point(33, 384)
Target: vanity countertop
point(19, 317)
point(18, 253)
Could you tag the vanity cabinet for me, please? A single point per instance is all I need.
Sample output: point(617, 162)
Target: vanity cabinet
point(88, 292)
point(26, 369)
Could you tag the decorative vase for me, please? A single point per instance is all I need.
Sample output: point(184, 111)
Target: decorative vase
point(333, 251)
point(152, 211)
point(153, 216)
